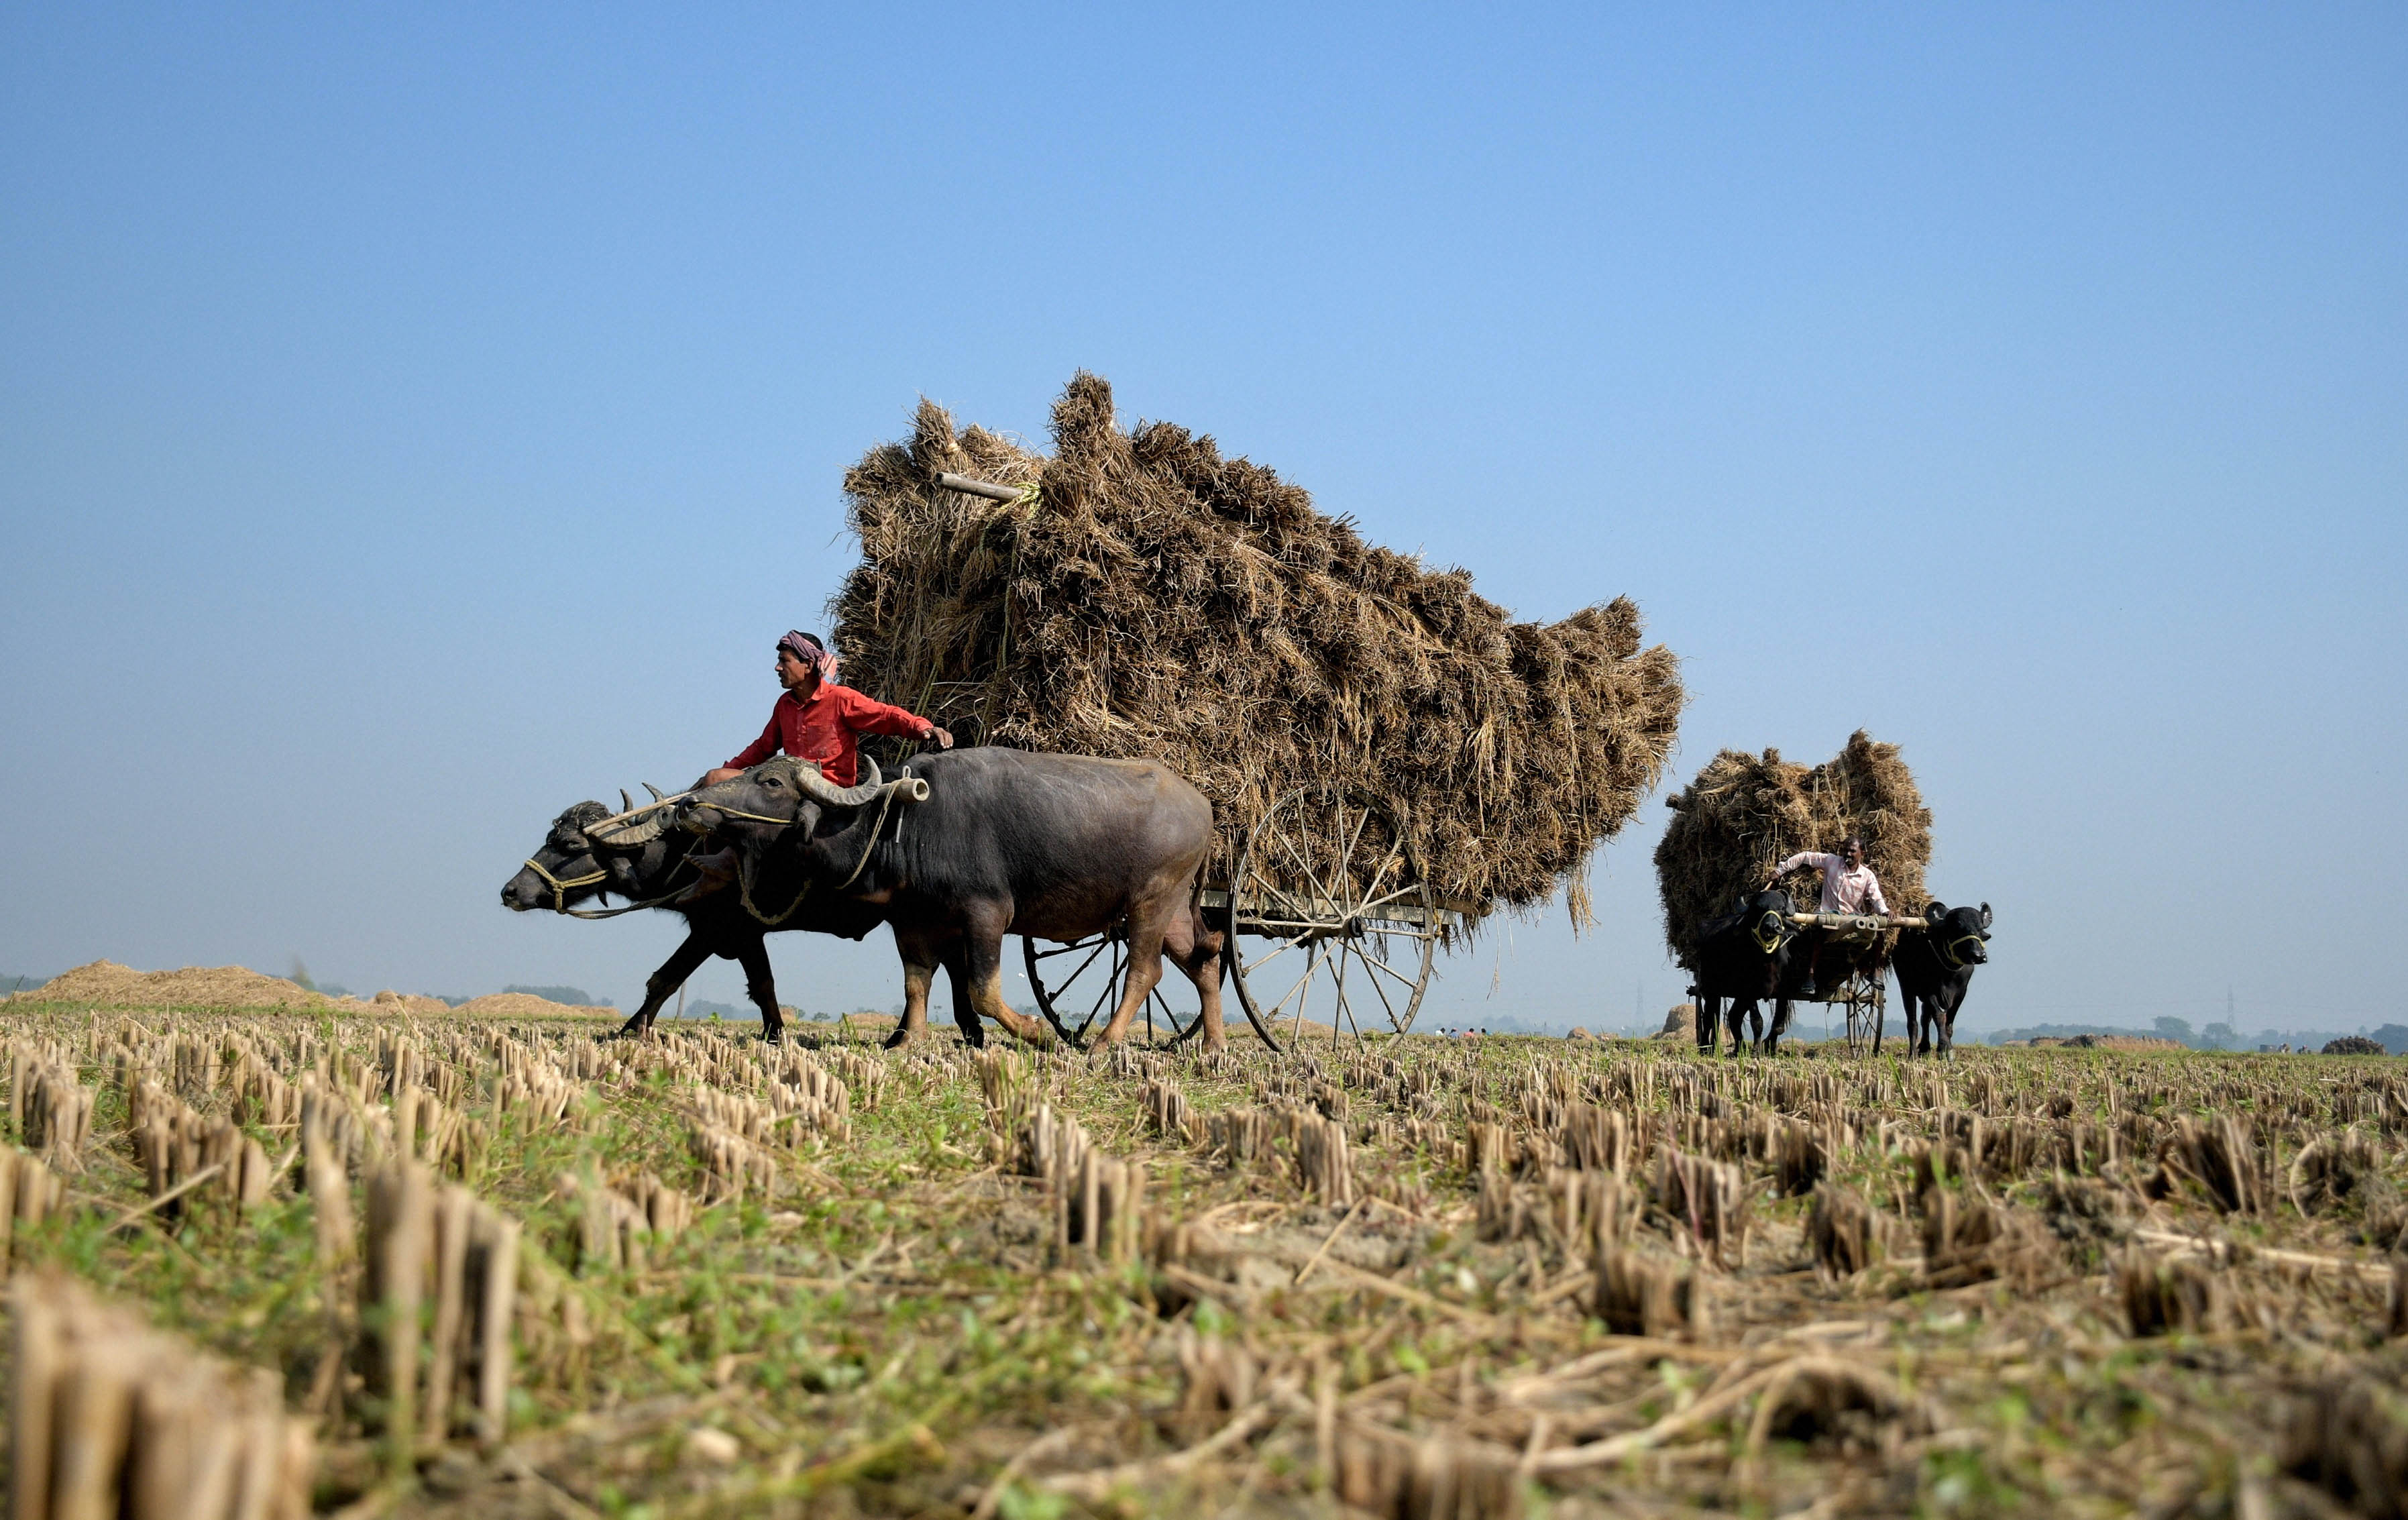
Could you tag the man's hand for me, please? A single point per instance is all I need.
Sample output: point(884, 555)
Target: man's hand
point(712, 778)
point(944, 738)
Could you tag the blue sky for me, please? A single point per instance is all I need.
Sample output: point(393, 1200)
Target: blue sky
point(413, 420)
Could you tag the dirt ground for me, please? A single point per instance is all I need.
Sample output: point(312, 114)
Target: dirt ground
point(1418, 1276)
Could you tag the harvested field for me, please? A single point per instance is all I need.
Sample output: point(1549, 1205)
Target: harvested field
point(502, 1267)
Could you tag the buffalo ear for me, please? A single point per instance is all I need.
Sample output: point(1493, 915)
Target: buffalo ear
point(1937, 912)
point(1986, 918)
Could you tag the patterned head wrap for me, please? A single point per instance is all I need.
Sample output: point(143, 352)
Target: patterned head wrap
point(802, 645)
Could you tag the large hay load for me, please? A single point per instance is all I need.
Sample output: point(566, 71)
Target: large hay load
point(1745, 813)
point(1147, 598)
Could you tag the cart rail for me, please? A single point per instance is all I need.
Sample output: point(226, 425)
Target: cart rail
point(1299, 912)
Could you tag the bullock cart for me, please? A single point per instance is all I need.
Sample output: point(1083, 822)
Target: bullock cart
point(1344, 937)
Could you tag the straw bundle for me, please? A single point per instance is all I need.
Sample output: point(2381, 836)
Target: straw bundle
point(1149, 598)
point(1745, 813)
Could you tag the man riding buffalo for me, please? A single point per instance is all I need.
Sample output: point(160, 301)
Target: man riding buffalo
point(821, 720)
point(818, 719)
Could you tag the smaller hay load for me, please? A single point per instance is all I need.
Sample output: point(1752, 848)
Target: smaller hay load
point(1147, 598)
point(1744, 813)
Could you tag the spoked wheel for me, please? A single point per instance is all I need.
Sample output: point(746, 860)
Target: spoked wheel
point(1330, 917)
point(1864, 998)
point(1082, 979)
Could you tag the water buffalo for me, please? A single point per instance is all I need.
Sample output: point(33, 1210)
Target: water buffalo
point(573, 866)
point(1744, 958)
point(1935, 966)
point(983, 842)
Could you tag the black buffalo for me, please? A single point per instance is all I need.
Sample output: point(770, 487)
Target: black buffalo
point(1935, 966)
point(979, 843)
point(645, 865)
point(1744, 959)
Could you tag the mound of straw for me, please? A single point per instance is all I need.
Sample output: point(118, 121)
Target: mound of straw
point(1149, 598)
point(1745, 813)
point(108, 984)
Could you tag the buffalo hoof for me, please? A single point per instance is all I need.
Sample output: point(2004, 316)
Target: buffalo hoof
point(895, 1041)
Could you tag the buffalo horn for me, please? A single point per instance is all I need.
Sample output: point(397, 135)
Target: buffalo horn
point(815, 786)
point(627, 803)
point(654, 790)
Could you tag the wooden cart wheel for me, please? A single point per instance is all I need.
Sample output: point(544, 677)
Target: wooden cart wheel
point(1082, 979)
point(1329, 914)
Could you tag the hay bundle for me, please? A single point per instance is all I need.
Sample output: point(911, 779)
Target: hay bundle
point(1150, 598)
point(1744, 813)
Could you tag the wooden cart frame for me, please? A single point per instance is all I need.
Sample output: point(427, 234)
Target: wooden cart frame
point(1351, 939)
point(1864, 998)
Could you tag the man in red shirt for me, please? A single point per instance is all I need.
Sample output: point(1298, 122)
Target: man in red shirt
point(820, 720)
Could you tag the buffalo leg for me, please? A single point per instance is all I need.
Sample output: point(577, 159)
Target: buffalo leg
point(1705, 1018)
point(1200, 957)
point(759, 986)
point(958, 975)
point(668, 978)
point(920, 960)
point(1735, 1025)
point(1780, 1027)
point(1145, 936)
point(982, 958)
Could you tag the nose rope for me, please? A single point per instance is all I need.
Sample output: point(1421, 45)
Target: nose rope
point(1949, 952)
point(1770, 941)
point(560, 889)
point(744, 887)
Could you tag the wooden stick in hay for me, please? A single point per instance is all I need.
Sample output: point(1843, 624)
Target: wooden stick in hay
point(112, 1417)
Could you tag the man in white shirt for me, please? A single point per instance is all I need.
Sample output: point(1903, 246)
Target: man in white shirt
point(1848, 887)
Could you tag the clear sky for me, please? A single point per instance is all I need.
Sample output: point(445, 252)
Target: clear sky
point(415, 418)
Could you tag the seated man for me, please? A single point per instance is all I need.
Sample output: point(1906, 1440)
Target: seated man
point(1848, 887)
point(817, 720)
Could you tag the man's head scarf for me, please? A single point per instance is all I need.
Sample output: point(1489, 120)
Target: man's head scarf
point(802, 645)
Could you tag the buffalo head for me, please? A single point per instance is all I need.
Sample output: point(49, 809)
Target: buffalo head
point(1764, 917)
point(1961, 935)
point(565, 870)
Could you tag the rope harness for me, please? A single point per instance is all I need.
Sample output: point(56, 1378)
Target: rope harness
point(744, 886)
point(1950, 952)
point(1770, 932)
point(562, 887)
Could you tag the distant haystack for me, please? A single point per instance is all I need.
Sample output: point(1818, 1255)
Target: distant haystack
point(108, 984)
